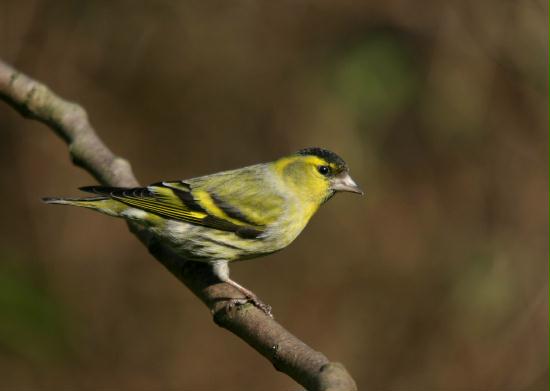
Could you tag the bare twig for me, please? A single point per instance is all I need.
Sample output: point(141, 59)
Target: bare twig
point(287, 353)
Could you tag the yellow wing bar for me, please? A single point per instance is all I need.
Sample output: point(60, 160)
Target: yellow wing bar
point(177, 203)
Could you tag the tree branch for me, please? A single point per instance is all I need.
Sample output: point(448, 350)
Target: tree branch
point(286, 352)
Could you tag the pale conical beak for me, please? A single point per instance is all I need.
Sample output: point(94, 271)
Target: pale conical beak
point(343, 182)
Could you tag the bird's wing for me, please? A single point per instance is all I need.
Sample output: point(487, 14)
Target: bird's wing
point(249, 195)
point(239, 201)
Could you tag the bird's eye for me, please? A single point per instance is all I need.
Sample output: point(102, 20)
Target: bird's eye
point(323, 170)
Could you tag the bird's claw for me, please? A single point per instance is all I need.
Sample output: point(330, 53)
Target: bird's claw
point(232, 303)
point(266, 308)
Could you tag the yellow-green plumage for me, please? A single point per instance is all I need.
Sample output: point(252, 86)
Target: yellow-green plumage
point(232, 215)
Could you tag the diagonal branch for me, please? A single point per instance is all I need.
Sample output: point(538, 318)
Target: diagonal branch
point(286, 352)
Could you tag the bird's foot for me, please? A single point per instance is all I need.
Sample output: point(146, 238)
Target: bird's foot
point(266, 308)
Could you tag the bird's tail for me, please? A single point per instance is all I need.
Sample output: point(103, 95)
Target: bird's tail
point(101, 204)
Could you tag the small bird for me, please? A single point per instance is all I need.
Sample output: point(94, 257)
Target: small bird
point(231, 215)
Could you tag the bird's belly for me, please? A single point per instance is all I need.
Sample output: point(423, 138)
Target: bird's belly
point(198, 243)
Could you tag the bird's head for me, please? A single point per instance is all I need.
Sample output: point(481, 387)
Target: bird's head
point(316, 173)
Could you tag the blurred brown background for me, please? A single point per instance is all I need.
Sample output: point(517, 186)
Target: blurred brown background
point(436, 280)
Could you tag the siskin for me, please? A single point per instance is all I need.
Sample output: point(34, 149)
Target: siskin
point(232, 215)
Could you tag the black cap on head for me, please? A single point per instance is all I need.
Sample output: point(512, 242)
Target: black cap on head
point(329, 156)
